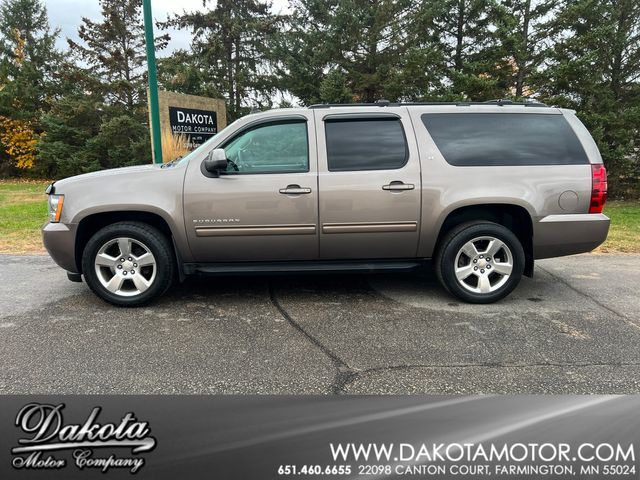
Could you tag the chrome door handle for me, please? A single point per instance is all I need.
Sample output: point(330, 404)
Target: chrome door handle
point(295, 190)
point(398, 186)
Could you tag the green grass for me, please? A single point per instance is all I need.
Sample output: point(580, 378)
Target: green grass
point(23, 211)
point(624, 234)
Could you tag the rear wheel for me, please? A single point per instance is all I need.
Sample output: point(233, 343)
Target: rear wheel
point(480, 262)
point(128, 264)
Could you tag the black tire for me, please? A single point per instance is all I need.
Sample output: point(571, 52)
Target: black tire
point(158, 244)
point(452, 243)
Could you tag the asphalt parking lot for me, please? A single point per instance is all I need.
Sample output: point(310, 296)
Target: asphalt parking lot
point(574, 328)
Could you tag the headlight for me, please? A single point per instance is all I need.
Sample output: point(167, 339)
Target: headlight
point(55, 207)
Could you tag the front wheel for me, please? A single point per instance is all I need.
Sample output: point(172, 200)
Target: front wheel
point(128, 264)
point(480, 262)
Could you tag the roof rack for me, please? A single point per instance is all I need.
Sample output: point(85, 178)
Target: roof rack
point(387, 103)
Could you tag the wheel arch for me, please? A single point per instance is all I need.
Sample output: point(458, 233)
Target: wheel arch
point(90, 224)
point(512, 216)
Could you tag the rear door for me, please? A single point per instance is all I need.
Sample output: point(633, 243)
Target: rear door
point(369, 183)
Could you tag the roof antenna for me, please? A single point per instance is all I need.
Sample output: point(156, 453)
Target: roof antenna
point(383, 102)
point(254, 109)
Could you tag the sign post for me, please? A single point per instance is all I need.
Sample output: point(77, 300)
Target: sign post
point(153, 82)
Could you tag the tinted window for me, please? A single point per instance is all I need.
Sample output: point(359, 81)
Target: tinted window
point(485, 139)
point(365, 144)
point(276, 147)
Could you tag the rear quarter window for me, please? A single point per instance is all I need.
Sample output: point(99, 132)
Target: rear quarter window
point(504, 139)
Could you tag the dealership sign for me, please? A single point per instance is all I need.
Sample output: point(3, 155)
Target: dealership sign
point(198, 125)
point(196, 119)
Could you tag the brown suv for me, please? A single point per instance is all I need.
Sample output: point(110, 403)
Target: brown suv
point(481, 189)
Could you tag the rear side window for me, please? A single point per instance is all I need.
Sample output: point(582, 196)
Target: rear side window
point(497, 139)
point(365, 144)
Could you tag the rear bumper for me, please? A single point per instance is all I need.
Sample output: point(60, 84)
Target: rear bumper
point(558, 235)
point(60, 241)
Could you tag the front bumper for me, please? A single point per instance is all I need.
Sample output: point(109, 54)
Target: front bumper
point(60, 241)
point(558, 235)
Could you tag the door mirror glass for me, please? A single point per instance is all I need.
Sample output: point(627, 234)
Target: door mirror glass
point(216, 161)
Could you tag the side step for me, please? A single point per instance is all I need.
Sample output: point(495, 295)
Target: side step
point(317, 266)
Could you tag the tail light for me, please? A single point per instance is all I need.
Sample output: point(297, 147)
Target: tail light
point(598, 188)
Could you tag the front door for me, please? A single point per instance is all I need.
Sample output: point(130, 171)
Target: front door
point(369, 180)
point(265, 206)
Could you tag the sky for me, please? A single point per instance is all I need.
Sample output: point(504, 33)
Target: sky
point(67, 15)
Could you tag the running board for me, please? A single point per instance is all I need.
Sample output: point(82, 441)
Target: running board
point(316, 266)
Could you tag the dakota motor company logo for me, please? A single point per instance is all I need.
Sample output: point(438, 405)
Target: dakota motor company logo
point(47, 435)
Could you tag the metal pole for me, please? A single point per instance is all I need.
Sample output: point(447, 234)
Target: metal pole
point(153, 82)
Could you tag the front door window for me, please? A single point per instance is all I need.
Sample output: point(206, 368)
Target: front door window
point(276, 147)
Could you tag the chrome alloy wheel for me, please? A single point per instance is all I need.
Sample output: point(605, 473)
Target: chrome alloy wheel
point(125, 266)
point(483, 265)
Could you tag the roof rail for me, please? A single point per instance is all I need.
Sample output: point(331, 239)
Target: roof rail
point(387, 103)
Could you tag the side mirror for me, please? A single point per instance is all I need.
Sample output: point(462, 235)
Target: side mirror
point(216, 161)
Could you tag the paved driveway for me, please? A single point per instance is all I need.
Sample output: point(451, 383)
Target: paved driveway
point(574, 328)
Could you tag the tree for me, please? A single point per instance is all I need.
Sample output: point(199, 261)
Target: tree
point(81, 136)
point(71, 123)
point(524, 33)
point(360, 43)
point(28, 61)
point(594, 68)
point(183, 72)
point(114, 52)
point(465, 47)
point(28, 58)
point(230, 52)
point(100, 121)
point(334, 88)
point(19, 141)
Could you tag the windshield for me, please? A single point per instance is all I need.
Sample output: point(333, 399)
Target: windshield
point(203, 147)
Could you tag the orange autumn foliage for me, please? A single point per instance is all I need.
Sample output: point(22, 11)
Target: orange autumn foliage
point(16, 136)
point(19, 141)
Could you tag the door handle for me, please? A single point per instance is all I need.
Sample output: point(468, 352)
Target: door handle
point(295, 190)
point(397, 186)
